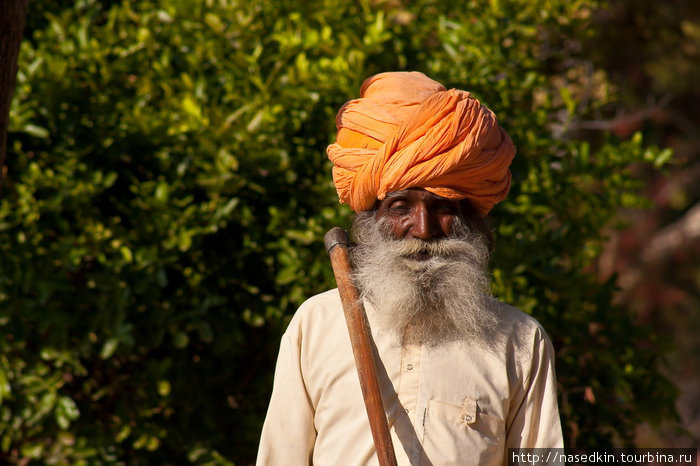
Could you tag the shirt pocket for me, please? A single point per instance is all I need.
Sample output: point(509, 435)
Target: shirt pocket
point(462, 434)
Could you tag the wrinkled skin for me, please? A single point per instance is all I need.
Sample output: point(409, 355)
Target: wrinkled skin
point(416, 213)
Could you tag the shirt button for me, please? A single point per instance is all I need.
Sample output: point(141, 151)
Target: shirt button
point(467, 418)
point(405, 411)
point(409, 367)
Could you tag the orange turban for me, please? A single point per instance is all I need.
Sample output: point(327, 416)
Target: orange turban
point(408, 131)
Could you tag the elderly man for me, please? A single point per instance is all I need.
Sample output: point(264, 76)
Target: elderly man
point(463, 376)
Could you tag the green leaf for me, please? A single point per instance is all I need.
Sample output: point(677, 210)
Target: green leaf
point(36, 131)
point(109, 347)
point(163, 387)
point(180, 340)
point(162, 192)
point(5, 388)
point(66, 411)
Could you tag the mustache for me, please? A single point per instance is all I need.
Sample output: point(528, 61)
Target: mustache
point(368, 230)
point(445, 247)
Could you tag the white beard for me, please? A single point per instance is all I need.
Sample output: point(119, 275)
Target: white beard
point(443, 298)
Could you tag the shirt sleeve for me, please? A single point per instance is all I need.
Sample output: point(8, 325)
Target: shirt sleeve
point(533, 421)
point(288, 434)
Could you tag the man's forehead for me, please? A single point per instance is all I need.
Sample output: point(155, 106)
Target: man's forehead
point(417, 191)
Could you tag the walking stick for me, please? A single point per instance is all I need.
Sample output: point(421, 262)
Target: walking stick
point(337, 242)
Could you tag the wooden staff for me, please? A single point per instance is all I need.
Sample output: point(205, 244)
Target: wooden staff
point(337, 242)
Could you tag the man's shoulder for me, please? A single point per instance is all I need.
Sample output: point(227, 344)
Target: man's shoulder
point(520, 325)
point(320, 310)
point(325, 299)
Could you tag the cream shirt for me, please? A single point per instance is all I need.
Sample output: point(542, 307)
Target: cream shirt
point(452, 405)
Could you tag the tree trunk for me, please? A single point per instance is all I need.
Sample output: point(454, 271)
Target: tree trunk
point(12, 16)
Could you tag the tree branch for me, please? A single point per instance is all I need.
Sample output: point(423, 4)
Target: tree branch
point(12, 16)
point(664, 245)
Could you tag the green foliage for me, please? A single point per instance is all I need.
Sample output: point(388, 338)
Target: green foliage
point(168, 192)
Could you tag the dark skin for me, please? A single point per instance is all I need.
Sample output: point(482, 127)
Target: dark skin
point(417, 213)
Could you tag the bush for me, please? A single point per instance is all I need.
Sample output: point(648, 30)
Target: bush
point(168, 192)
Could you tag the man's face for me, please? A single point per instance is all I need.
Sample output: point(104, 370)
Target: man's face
point(424, 268)
point(417, 213)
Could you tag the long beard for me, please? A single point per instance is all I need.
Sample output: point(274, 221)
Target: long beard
point(428, 292)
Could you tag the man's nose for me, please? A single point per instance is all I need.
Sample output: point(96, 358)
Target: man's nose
point(424, 224)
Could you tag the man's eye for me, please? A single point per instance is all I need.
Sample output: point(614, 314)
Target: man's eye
point(447, 208)
point(399, 207)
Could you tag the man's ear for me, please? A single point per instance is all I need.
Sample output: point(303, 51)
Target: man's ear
point(480, 224)
point(468, 210)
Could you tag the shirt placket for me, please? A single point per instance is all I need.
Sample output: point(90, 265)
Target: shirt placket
point(409, 395)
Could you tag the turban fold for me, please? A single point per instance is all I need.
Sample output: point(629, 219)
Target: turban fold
point(408, 131)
